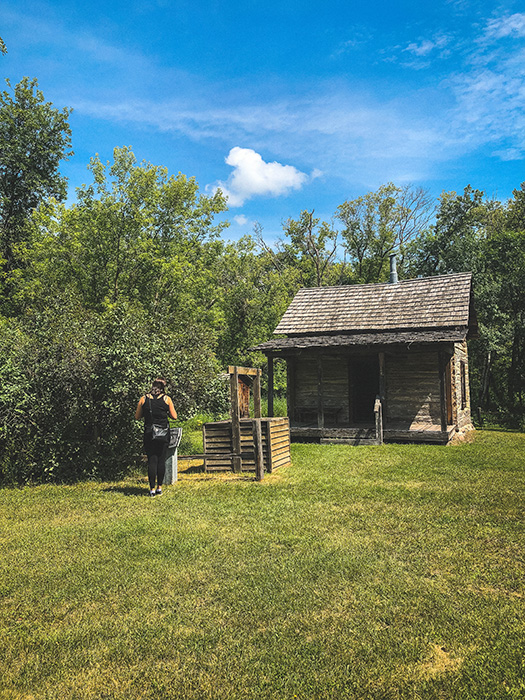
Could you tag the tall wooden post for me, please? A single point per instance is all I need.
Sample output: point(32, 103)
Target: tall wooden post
point(257, 413)
point(270, 386)
point(382, 386)
point(258, 449)
point(443, 390)
point(236, 420)
point(320, 392)
point(290, 388)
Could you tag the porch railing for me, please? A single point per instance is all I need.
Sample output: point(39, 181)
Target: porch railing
point(378, 413)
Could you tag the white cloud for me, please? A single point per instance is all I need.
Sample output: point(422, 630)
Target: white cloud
point(509, 25)
point(510, 154)
point(359, 138)
point(490, 99)
point(422, 49)
point(241, 220)
point(252, 177)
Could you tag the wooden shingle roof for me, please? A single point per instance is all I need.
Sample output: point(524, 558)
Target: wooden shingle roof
point(449, 335)
point(443, 301)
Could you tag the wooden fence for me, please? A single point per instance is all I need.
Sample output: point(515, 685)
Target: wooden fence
point(264, 445)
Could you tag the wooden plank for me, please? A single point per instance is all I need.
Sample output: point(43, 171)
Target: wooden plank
point(320, 392)
point(382, 386)
point(281, 462)
point(213, 455)
point(277, 444)
point(236, 427)
point(379, 421)
point(269, 451)
point(279, 437)
point(443, 390)
point(257, 395)
point(280, 430)
point(270, 385)
point(285, 454)
point(290, 387)
point(278, 423)
point(281, 450)
point(417, 436)
point(248, 371)
point(279, 426)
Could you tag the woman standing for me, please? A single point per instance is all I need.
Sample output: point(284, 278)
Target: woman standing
point(155, 407)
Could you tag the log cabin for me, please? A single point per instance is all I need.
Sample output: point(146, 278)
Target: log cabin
point(373, 362)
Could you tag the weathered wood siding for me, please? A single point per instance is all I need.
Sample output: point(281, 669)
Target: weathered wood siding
point(305, 390)
point(321, 387)
point(275, 443)
point(461, 388)
point(278, 436)
point(412, 387)
point(335, 390)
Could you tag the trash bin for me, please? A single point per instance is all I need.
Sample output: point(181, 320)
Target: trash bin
point(171, 465)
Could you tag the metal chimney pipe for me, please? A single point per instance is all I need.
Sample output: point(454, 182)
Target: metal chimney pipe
point(393, 269)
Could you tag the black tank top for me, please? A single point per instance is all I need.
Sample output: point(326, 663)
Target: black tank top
point(155, 411)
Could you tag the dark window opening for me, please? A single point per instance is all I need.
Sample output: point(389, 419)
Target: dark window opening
point(364, 388)
point(463, 376)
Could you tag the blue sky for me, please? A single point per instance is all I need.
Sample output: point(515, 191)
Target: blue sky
point(287, 105)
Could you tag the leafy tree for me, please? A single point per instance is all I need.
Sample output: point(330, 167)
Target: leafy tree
point(453, 243)
point(115, 289)
point(378, 223)
point(34, 138)
point(506, 257)
point(135, 233)
point(312, 249)
point(483, 236)
point(254, 296)
point(70, 379)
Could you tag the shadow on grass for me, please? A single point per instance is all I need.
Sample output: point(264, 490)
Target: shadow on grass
point(195, 469)
point(217, 476)
point(128, 490)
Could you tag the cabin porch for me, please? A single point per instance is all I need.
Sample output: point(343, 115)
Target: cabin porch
point(366, 434)
point(333, 394)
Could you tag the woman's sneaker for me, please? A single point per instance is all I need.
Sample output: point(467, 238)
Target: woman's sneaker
point(158, 492)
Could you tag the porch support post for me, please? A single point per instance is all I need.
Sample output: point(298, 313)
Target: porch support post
point(290, 388)
point(270, 386)
point(443, 390)
point(236, 421)
point(382, 385)
point(257, 443)
point(257, 395)
point(320, 387)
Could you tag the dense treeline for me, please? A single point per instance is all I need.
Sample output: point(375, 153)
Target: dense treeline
point(136, 277)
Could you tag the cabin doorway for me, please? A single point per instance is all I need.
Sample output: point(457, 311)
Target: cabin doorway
point(364, 388)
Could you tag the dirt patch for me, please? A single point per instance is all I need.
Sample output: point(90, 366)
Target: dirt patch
point(440, 662)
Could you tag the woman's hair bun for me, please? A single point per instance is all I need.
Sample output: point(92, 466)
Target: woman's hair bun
point(158, 386)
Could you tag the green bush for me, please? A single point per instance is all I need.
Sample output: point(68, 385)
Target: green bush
point(70, 380)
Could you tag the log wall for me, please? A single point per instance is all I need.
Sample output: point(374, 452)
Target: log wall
point(461, 388)
point(305, 391)
point(335, 391)
point(320, 385)
point(419, 387)
point(413, 388)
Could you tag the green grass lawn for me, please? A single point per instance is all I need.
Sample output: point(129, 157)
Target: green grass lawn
point(358, 572)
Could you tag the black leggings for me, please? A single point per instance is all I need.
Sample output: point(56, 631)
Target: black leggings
point(156, 452)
